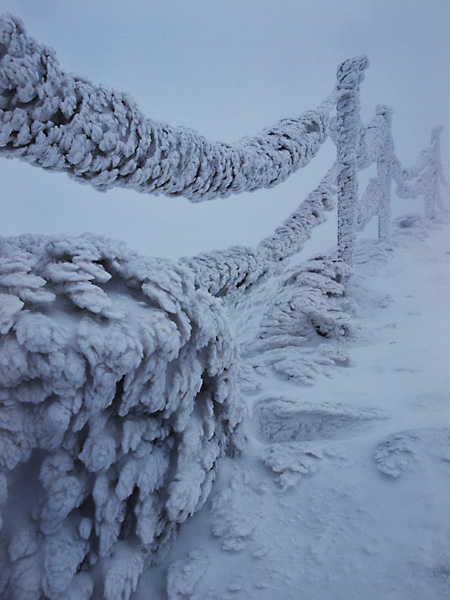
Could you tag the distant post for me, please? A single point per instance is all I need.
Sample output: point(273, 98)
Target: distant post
point(384, 175)
point(433, 175)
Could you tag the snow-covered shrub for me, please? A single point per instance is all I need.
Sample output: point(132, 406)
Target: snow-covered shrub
point(118, 395)
point(311, 300)
point(98, 135)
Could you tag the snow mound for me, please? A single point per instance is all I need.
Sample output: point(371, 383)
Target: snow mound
point(290, 420)
point(231, 520)
point(117, 397)
point(183, 575)
point(411, 450)
point(291, 461)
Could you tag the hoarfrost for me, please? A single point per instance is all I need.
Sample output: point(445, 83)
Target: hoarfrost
point(122, 420)
point(98, 136)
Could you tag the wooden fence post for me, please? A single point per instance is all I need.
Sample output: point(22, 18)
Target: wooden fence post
point(349, 76)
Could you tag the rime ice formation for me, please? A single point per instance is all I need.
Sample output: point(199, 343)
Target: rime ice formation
point(302, 323)
point(379, 148)
point(118, 395)
point(350, 74)
point(358, 147)
point(97, 135)
point(427, 173)
point(119, 374)
point(290, 237)
point(224, 271)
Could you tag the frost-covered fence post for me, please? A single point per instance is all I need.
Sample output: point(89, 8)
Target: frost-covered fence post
point(433, 175)
point(425, 177)
point(349, 76)
point(384, 174)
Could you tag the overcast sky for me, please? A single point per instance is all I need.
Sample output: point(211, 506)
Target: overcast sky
point(227, 68)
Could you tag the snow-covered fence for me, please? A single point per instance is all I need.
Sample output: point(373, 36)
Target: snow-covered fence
point(424, 177)
point(98, 136)
point(118, 373)
point(347, 126)
point(358, 147)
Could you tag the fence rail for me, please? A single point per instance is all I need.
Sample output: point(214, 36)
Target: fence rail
point(358, 147)
point(98, 136)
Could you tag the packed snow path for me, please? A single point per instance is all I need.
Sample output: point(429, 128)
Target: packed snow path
point(342, 490)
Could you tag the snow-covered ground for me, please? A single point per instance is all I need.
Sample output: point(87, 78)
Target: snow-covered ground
point(341, 491)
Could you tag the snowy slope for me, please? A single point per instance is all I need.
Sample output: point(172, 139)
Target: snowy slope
point(342, 489)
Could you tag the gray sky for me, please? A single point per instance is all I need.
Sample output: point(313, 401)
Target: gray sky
point(227, 68)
